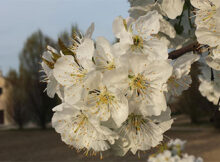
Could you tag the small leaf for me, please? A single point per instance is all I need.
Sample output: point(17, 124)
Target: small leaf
point(48, 63)
point(64, 49)
point(130, 76)
point(55, 56)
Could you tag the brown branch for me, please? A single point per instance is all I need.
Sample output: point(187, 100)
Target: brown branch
point(177, 53)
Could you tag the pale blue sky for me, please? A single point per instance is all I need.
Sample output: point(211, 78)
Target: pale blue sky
point(20, 18)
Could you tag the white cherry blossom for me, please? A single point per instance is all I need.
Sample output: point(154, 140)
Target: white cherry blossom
point(207, 21)
point(213, 59)
point(49, 59)
point(71, 70)
point(170, 8)
point(208, 37)
point(145, 80)
point(180, 79)
point(104, 100)
point(81, 131)
point(72, 76)
point(210, 90)
point(207, 13)
point(139, 133)
point(165, 156)
point(210, 84)
point(136, 36)
point(104, 56)
point(176, 146)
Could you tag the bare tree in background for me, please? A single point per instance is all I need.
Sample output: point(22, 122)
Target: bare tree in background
point(30, 58)
point(16, 107)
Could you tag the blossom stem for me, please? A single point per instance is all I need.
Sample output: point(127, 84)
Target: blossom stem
point(177, 53)
point(212, 75)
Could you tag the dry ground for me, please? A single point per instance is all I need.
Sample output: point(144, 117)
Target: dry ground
point(37, 145)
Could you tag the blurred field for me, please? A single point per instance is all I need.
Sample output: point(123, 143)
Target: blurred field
point(37, 145)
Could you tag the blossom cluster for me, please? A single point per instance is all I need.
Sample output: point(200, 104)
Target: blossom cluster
point(168, 9)
point(180, 79)
point(207, 21)
point(173, 153)
point(115, 95)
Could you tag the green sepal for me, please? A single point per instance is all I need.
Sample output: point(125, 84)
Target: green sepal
point(48, 63)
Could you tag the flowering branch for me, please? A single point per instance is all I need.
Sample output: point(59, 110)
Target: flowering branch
point(177, 53)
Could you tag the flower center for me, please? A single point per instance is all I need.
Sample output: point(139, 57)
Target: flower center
point(135, 122)
point(137, 82)
point(80, 121)
point(111, 66)
point(105, 98)
point(172, 81)
point(102, 97)
point(137, 42)
point(78, 76)
point(206, 17)
point(209, 13)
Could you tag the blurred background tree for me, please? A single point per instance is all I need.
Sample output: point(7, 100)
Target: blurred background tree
point(17, 109)
point(30, 72)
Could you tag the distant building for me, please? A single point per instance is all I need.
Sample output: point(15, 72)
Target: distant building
point(4, 93)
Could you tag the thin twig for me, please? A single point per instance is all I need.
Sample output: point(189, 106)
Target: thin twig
point(177, 53)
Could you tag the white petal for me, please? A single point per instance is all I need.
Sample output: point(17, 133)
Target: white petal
point(158, 72)
point(66, 71)
point(167, 28)
point(166, 125)
point(58, 107)
point(104, 43)
point(85, 53)
point(177, 86)
point(201, 4)
point(216, 3)
point(104, 54)
point(155, 49)
point(115, 77)
point(213, 60)
point(93, 80)
point(173, 8)
point(205, 36)
point(52, 87)
point(134, 63)
point(72, 94)
point(90, 31)
point(119, 110)
point(118, 27)
point(154, 103)
point(182, 65)
point(148, 24)
point(47, 70)
point(164, 116)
